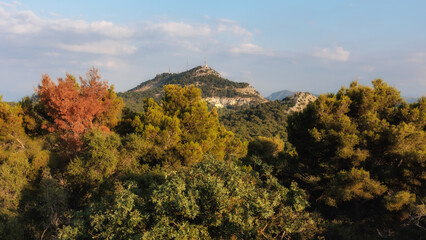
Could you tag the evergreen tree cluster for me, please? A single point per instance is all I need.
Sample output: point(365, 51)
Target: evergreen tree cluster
point(266, 119)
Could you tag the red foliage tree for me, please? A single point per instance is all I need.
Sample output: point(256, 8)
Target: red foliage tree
point(74, 107)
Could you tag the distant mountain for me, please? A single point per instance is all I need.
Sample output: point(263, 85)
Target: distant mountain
point(280, 95)
point(216, 90)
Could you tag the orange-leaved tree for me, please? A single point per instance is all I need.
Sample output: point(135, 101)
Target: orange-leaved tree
point(75, 108)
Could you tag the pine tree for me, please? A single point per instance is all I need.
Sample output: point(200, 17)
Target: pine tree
point(362, 157)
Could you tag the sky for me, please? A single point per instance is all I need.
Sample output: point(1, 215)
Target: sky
point(314, 46)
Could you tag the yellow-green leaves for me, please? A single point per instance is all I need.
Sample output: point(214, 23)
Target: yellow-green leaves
point(13, 178)
point(98, 160)
point(355, 184)
point(181, 130)
point(366, 149)
point(395, 201)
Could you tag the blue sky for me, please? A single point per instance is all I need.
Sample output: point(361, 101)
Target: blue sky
point(315, 46)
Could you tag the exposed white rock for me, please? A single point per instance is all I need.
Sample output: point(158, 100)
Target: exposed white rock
point(248, 90)
point(302, 99)
point(205, 70)
point(221, 102)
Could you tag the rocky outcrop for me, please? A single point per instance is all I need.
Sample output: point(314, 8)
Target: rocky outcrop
point(249, 90)
point(221, 102)
point(252, 97)
point(300, 100)
point(204, 71)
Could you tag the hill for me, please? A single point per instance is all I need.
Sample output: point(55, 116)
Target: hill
point(266, 119)
point(217, 91)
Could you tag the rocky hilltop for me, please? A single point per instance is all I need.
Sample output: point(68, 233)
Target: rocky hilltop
point(299, 101)
point(216, 90)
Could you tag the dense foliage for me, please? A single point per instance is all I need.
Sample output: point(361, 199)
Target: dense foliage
point(362, 157)
point(267, 119)
point(73, 167)
point(213, 199)
point(180, 130)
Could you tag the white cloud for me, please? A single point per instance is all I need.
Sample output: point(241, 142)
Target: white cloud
point(26, 22)
point(100, 27)
point(250, 48)
point(109, 47)
point(336, 54)
point(107, 63)
point(215, 36)
point(191, 46)
point(225, 25)
point(19, 22)
point(103, 37)
point(180, 29)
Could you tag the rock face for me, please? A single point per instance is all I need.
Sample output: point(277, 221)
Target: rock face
point(216, 90)
point(221, 102)
point(300, 101)
point(249, 96)
point(205, 71)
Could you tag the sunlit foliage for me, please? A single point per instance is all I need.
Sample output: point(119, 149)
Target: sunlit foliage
point(74, 108)
point(181, 129)
point(362, 151)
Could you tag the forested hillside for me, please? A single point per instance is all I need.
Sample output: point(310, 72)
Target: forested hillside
point(267, 119)
point(75, 165)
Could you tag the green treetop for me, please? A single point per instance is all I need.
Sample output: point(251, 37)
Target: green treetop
point(363, 151)
point(181, 129)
